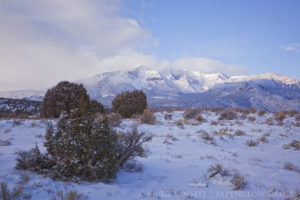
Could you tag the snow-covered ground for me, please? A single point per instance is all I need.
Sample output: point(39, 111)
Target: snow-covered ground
point(178, 160)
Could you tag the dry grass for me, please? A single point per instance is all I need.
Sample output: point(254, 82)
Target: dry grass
point(5, 142)
point(114, 119)
point(6, 194)
point(239, 133)
point(180, 123)
point(251, 119)
point(291, 167)
point(200, 118)
point(224, 131)
point(132, 166)
point(238, 181)
point(295, 144)
point(169, 139)
point(239, 123)
point(228, 115)
point(16, 122)
point(269, 121)
point(71, 195)
point(168, 116)
point(191, 113)
point(214, 123)
point(263, 138)
point(251, 143)
point(148, 117)
point(279, 116)
point(24, 179)
point(213, 170)
point(207, 137)
point(261, 113)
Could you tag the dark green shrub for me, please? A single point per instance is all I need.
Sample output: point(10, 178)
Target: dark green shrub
point(130, 103)
point(96, 107)
point(33, 160)
point(66, 96)
point(82, 147)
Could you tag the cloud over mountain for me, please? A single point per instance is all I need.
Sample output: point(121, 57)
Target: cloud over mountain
point(43, 42)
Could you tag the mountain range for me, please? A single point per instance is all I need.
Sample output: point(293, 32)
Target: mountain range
point(183, 88)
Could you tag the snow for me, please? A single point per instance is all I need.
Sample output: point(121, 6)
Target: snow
point(176, 169)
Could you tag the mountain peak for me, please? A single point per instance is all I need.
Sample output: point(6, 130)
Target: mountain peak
point(280, 78)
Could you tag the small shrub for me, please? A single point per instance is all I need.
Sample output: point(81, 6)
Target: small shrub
point(296, 124)
point(130, 145)
point(200, 118)
point(263, 138)
point(169, 139)
point(216, 110)
point(292, 113)
point(239, 123)
point(6, 194)
point(148, 117)
point(239, 133)
point(216, 169)
point(168, 116)
point(251, 143)
point(251, 119)
point(214, 123)
point(294, 144)
point(269, 121)
point(33, 124)
point(279, 116)
point(130, 103)
point(191, 113)
point(132, 166)
point(261, 113)
point(5, 142)
point(228, 115)
point(206, 136)
point(16, 123)
point(71, 195)
point(224, 131)
point(24, 179)
point(114, 119)
point(291, 167)
point(180, 123)
point(238, 181)
point(33, 160)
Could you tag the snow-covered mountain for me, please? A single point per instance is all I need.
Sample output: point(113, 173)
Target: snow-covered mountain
point(174, 88)
point(35, 95)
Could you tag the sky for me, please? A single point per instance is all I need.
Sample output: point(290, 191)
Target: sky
point(45, 41)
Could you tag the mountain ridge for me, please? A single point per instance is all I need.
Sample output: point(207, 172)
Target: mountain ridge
point(184, 88)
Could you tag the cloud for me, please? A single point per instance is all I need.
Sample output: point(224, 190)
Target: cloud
point(43, 42)
point(291, 47)
point(204, 65)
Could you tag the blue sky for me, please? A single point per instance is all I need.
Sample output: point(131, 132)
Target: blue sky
point(46, 41)
point(260, 35)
